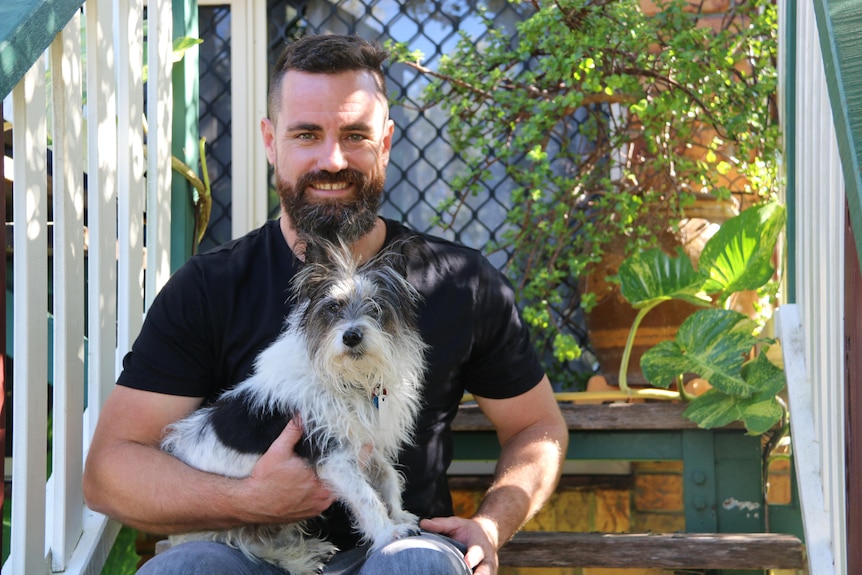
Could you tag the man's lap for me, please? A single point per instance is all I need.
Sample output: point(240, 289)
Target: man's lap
point(427, 554)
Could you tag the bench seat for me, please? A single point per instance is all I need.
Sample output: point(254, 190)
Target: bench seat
point(654, 550)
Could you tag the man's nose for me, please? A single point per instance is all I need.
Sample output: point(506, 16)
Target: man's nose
point(333, 158)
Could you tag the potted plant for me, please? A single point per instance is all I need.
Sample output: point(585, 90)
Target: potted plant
point(714, 343)
point(609, 123)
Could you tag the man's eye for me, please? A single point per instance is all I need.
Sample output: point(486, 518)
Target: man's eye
point(355, 137)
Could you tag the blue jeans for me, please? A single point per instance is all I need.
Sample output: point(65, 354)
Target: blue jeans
point(426, 554)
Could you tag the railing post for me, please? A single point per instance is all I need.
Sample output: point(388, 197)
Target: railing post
point(185, 131)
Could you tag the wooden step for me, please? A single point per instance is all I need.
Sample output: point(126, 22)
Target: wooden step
point(655, 550)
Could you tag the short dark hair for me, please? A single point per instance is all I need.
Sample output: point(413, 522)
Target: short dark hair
point(328, 54)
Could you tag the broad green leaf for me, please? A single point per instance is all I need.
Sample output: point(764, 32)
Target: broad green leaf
point(711, 343)
point(716, 409)
point(759, 412)
point(652, 276)
point(739, 256)
point(765, 376)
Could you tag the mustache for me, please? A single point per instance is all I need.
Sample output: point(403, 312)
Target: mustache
point(347, 175)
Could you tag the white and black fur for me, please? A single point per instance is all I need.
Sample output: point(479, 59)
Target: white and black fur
point(349, 363)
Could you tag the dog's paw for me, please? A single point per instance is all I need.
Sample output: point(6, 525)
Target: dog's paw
point(407, 530)
point(392, 533)
point(401, 516)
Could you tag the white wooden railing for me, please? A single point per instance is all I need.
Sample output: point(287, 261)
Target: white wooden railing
point(52, 530)
point(811, 329)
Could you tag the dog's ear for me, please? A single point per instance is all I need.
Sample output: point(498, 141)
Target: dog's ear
point(312, 250)
point(323, 262)
point(395, 255)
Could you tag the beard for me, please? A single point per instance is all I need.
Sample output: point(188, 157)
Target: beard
point(345, 219)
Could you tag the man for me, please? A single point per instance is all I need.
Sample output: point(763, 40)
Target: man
point(328, 137)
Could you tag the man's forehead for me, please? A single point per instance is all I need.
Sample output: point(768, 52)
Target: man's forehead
point(346, 93)
point(360, 84)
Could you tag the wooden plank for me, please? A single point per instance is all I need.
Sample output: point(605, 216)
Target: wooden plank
point(29, 370)
point(806, 447)
point(160, 118)
point(611, 416)
point(67, 506)
point(654, 550)
point(130, 174)
point(101, 207)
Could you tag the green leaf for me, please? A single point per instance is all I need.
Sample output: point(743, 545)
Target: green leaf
point(716, 409)
point(759, 412)
point(652, 276)
point(182, 45)
point(711, 343)
point(739, 256)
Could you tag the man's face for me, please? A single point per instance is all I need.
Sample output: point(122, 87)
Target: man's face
point(329, 145)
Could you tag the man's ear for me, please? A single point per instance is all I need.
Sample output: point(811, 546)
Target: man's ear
point(388, 132)
point(267, 132)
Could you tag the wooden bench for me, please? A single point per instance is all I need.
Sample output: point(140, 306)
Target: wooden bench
point(722, 483)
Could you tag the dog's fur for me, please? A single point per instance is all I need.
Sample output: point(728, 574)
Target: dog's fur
point(350, 335)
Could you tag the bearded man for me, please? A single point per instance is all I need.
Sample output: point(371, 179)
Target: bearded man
point(328, 137)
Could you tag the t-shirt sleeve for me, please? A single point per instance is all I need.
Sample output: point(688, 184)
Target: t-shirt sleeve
point(503, 362)
point(173, 353)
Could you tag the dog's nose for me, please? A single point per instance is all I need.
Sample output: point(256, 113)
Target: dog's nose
point(352, 337)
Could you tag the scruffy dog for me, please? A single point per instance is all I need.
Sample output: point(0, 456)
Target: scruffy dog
point(349, 364)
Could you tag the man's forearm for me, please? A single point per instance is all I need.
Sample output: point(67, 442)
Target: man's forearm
point(156, 493)
point(527, 473)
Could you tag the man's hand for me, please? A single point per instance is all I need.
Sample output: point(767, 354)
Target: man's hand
point(479, 535)
point(283, 487)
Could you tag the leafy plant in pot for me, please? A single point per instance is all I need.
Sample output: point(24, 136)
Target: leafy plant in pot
point(715, 343)
point(601, 122)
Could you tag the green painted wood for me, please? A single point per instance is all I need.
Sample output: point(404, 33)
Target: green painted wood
point(584, 445)
point(699, 481)
point(27, 28)
point(625, 445)
point(185, 132)
point(788, 128)
point(838, 25)
point(740, 503)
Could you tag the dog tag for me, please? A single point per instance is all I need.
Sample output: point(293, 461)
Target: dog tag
point(381, 402)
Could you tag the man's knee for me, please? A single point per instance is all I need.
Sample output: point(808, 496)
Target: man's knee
point(205, 558)
point(427, 554)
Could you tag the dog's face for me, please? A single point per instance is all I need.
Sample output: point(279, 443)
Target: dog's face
point(354, 315)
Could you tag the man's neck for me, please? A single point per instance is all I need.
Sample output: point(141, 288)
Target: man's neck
point(365, 248)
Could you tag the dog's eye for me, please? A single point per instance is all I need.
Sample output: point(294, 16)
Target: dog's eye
point(376, 311)
point(332, 307)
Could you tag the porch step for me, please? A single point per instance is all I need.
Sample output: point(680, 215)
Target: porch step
point(655, 550)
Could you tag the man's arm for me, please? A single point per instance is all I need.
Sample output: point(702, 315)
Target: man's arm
point(534, 437)
point(128, 477)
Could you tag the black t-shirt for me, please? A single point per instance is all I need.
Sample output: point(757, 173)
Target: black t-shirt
point(220, 309)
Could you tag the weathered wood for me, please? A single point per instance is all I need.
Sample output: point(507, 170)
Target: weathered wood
point(654, 550)
point(605, 417)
